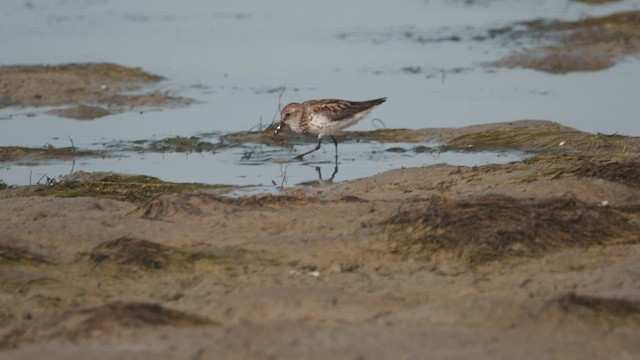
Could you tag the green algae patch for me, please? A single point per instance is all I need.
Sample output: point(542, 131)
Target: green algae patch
point(533, 136)
point(552, 140)
point(285, 137)
point(509, 138)
point(181, 144)
point(387, 135)
point(137, 188)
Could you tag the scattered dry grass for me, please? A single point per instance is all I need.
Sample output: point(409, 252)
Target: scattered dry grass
point(136, 188)
point(11, 255)
point(510, 138)
point(128, 254)
point(483, 229)
point(559, 141)
point(143, 254)
point(134, 257)
point(623, 171)
point(75, 325)
point(596, 308)
point(164, 207)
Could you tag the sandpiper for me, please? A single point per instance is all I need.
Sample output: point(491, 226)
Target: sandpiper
point(324, 117)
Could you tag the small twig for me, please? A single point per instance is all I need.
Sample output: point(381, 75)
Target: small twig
point(283, 88)
point(73, 166)
point(73, 147)
point(38, 183)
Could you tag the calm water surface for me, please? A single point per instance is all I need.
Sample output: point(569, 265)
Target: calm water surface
point(232, 56)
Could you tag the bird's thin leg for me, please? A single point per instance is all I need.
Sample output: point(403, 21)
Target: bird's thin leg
point(335, 170)
point(335, 142)
point(299, 157)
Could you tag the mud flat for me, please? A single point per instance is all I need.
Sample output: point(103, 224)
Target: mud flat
point(590, 44)
point(83, 91)
point(539, 257)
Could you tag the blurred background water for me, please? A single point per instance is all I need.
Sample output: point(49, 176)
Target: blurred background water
point(232, 57)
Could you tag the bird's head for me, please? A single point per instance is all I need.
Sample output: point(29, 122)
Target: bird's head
point(289, 113)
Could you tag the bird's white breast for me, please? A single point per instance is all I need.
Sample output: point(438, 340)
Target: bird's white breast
point(322, 125)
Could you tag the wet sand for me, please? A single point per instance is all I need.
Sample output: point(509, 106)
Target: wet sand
point(590, 44)
point(538, 257)
point(93, 90)
point(532, 259)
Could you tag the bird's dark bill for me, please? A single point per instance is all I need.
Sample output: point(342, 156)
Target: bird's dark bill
point(279, 128)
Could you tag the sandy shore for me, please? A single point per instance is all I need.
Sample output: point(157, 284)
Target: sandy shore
point(538, 258)
point(534, 259)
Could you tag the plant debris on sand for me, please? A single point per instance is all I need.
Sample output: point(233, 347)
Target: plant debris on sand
point(623, 171)
point(545, 137)
point(17, 255)
point(287, 137)
point(589, 307)
point(127, 253)
point(76, 325)
point(134, 188)
point(489, 228)
point(181, 144)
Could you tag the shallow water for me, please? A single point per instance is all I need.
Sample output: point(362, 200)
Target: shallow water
point(262, 167)
point(233, 56)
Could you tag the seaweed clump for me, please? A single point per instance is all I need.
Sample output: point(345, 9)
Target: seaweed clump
point(599, 308)
point(75, 325)
point(136, 188)
point(489, 228)
point(17, 255)
point(136, 253)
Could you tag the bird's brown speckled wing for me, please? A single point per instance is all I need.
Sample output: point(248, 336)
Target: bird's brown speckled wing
point(341, 109)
